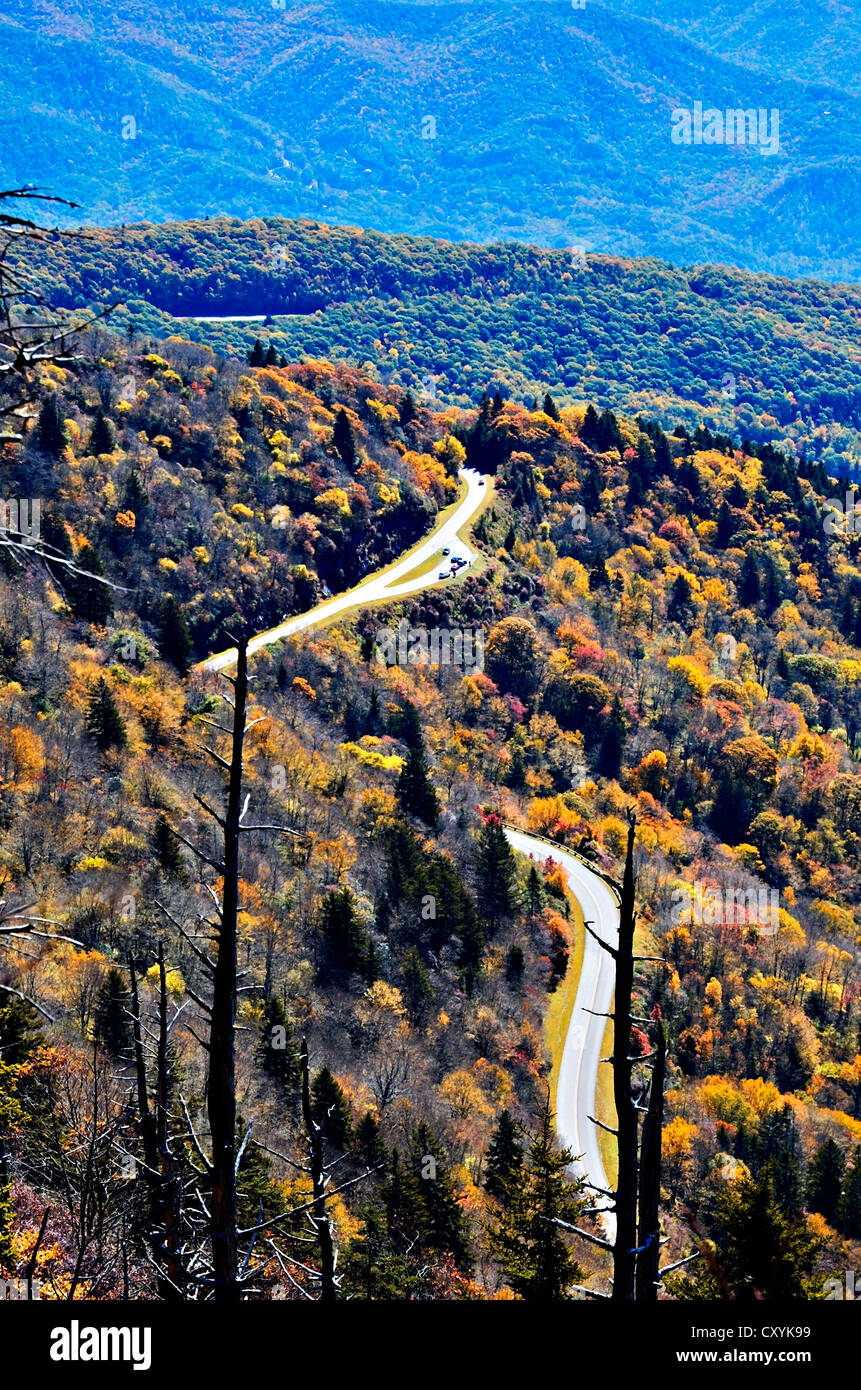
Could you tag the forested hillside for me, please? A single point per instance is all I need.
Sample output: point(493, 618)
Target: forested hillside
point(670, 628)
point(756, 356)
point(383, 115)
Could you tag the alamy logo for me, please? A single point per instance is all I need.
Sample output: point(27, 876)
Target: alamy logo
point(735, 905)
point(21, 517)
point(19, 1289)
point(738, 126)
point(835, 1288)
point(842, 520)
point(405, 646)
point(76, 1343)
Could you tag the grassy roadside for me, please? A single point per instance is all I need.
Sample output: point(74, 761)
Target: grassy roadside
point(424, 568)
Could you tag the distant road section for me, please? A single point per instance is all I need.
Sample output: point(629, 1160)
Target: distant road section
point(384, 584)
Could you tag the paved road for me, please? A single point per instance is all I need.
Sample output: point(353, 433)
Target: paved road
point(389, 584)
point(578, 1073)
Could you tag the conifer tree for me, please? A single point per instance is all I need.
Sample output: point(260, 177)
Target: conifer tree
point(495, 870)
point(104, 721)
point(102, 439)
point(111, 1022)
point(613, 741)
point(414, 789)
point(504, 1165)
point(330, 1110)
point(369, 1145)
point(526, 1239)
point(849, 1206)
point(759, 1252)
point(342, 438)
point(550, 407)
point(345, 941)
point(748, 582)
point(439, 1216)
point(51, 433)
point(825, 1180)
point(725, 525)
point(165, 848)
point(416, 987)
point(174, 638)
point(89, 599)
point(277, 1052)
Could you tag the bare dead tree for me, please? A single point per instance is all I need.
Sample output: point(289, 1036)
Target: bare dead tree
point(33, 333)
point(319, 1180)
point(221, 968)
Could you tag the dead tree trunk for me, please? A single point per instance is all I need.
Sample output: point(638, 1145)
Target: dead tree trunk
point(649, 1228)
point(170, 1187)
point(624, 1250)
point(222, 1038)
point(319, 1214)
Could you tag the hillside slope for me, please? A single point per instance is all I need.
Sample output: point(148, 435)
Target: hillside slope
point(755, 356)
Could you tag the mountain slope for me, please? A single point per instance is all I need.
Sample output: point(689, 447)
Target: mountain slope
point(551, 124)
point(754, 355)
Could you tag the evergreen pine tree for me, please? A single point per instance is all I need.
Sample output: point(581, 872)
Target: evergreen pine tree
point(174, 637)
point(88, 599)
point(103, 720)
point(550, 407)
point(440, 1217)
point(342, 438)
point(613, 741)
point(256, 355)
point(102, 439)
point(504, 1165)
point(416, 987)
point(345, 941)
point(415, 792)
point(849, 1206)
point(779, 1146)
point(725, 525)
point(271, 358)
point(276, 1051)
point(51, 433)
point(369, 1145)
point(330, 1110)
point(165, 848)
point(111, 1023)
point(589, 430)
point(495, 870)
point(534, 891)
point(531, 1249)
point(825, 1180)
point(761, 1253)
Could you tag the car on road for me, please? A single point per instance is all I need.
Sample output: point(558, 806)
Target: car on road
point(446, 551)
point(481, 482)
point(445, 574)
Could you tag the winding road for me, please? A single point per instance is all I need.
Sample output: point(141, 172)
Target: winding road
point(578, 1072)
point(386, 585)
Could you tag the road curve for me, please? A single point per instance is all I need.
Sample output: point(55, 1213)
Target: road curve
point(578, 1073)
point(379, 586)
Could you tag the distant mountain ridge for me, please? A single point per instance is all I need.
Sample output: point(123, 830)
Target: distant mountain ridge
point(537, 122)
point(751, 355)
